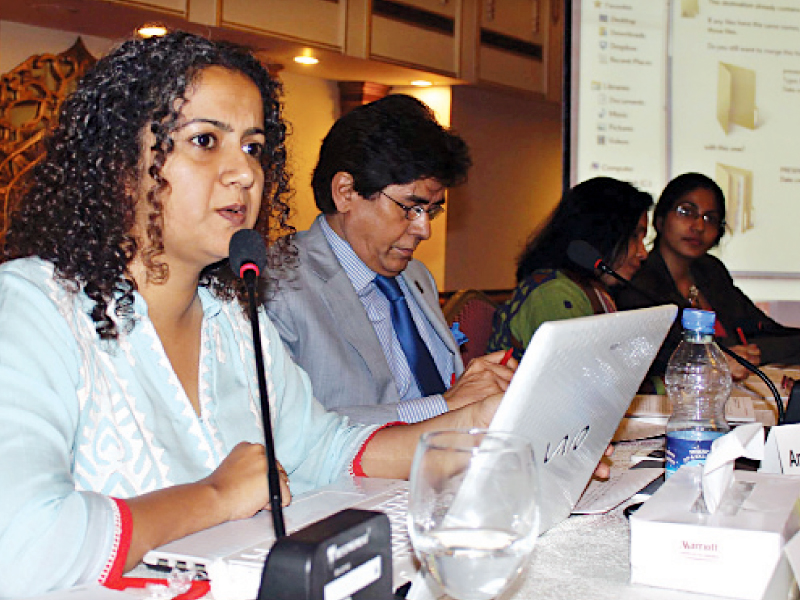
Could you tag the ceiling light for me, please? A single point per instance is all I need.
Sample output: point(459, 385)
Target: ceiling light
point(151, 30)
point(306, 60)
point(421, 83)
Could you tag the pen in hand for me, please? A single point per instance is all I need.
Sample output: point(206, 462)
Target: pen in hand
point(506, 356)
point(741, 336)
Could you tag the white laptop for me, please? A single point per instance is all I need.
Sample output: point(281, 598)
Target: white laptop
point(569, 393)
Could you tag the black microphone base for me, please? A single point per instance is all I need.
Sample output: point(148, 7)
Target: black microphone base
point(347, 555)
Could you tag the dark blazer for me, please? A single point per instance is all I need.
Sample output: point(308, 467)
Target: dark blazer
point(733, 308)
point(326, 329)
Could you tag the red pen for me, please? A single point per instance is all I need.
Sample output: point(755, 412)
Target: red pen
point(506, 356)
point(741, 336)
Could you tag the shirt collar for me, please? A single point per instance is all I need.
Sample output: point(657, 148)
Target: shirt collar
point(360, 274)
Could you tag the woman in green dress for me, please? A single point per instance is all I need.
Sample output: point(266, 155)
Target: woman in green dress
point(611, 216)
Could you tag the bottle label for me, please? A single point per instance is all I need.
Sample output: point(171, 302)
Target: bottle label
point(688, 448)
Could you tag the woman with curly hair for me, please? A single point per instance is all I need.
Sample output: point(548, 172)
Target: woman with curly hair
point(609, 214)
point(129, 405)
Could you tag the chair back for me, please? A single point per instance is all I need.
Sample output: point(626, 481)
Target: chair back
point(473, 311)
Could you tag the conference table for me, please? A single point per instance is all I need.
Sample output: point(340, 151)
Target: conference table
point(588, 556)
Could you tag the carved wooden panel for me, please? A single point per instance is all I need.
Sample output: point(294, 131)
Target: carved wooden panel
point(30, 96)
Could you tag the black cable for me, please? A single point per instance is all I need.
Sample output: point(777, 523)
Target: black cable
point(754, 369)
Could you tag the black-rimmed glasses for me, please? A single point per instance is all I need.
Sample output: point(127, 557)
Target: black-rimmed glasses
point(690, 212)
point(415, 211)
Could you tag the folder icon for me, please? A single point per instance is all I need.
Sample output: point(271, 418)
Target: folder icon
point(690, 8)
point(736, 97)
point(737, 185)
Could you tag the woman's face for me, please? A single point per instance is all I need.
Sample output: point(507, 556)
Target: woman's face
point(214, 171)
point(628, 264)
point(692, 227)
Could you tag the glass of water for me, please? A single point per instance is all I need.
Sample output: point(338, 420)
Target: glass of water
point(473, 510)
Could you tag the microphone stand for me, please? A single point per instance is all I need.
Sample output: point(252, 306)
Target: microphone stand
point(249, 275)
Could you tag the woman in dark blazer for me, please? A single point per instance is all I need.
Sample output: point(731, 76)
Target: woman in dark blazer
point(689, 220)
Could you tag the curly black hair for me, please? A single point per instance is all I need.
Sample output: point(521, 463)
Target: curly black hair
point(394, 140)
point(77, 209)
point(602, 211)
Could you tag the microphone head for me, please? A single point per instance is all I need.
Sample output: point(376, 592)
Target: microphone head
point(584, 255)
point(247, 251)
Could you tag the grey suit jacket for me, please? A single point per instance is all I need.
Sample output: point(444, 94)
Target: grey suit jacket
point(326, 329)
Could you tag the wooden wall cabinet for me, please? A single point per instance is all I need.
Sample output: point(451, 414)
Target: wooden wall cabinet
point(416, 33)
point(513, 41)
point(318, 22)
point(513, 44)
point(177, 7)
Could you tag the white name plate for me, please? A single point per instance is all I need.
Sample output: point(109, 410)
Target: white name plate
point(782, 450)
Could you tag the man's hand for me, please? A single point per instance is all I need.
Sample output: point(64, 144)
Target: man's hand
point(603, 470)
point(484, 377)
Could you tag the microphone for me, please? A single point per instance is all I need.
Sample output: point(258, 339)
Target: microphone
point(585, 255)
point(247, 253)
point(247, 256)
point(301, 565)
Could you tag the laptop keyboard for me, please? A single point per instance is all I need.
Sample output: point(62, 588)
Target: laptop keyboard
point(396, 508)
point(394, 504)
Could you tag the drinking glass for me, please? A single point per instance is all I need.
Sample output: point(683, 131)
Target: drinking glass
point(473, 510)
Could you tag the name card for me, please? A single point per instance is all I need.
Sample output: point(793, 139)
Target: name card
point(782, 450)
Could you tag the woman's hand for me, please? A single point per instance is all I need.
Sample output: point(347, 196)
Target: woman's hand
point(240, 481)
point(237, 489)
point(750, 353)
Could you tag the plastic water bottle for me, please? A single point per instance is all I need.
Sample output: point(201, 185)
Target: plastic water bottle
point(698, 382)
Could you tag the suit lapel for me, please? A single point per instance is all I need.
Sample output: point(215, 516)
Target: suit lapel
point(344, 305)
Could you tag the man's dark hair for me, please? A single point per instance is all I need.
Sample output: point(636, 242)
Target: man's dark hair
point(392, 141)
point(602, 211)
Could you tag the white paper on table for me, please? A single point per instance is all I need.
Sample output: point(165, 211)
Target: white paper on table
point(746, 441)
point(602, 496)
point(738, 409)
point(638, 429)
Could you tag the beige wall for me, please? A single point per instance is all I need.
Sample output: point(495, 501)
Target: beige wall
point(18, 42)
point(514, 183)
point(311, 106)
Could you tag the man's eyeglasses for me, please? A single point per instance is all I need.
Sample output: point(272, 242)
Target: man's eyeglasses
point(415, 211)
point(689, 212)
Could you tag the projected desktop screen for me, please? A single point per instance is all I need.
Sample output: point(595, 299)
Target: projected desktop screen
point(663, 87)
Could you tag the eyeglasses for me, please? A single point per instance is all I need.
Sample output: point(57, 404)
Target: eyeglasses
point(689, 212)
point(415, 211)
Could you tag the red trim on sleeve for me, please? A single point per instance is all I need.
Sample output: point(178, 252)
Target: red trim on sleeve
point(113, 570)
point(197, 589)
point(356, 466)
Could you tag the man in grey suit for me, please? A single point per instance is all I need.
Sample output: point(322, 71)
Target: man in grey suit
point(380, 179)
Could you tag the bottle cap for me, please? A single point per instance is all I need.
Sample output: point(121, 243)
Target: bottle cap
point(701, 321)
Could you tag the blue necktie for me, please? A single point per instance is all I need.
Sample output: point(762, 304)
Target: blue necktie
point(419, 357)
